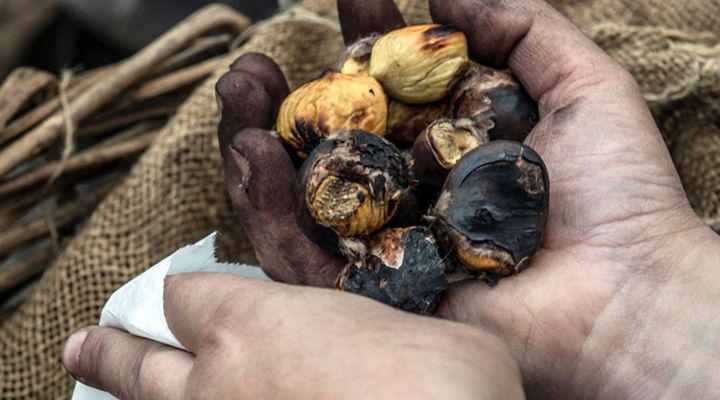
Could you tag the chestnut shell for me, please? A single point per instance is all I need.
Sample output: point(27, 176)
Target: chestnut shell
point(355, 156)
point(403, 270)
point(430, 168)
point(495, 202)
point(497, 102)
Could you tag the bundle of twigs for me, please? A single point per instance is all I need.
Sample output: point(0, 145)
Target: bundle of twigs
point(66, 141)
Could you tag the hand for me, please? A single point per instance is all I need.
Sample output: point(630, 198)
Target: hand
point(262, 340)
point(617, 303)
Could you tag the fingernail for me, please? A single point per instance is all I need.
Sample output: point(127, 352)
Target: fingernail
point(71, 353)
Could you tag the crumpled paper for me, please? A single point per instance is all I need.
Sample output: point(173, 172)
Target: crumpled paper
point(137, 307)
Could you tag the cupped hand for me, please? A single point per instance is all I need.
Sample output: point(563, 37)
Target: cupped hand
point(616, 303)
point(620, 301)
point(250, 339)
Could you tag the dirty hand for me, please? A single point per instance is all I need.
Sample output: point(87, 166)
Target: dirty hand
point(617, 302)
point(251, 339)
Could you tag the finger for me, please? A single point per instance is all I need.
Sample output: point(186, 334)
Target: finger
point(268, 73)
point(127, 366)
point(540, 45)
point(593, 116)
point(361, 18)
point(243, 102)
point(261, 180)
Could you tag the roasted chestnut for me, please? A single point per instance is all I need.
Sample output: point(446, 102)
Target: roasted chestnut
point(418, 64)
point(497, 103)
point(348, 189)
point(403, 269)
point(439, 147)
point(493, 209)
point(333, 101)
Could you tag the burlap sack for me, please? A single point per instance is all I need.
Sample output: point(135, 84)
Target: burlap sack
point(673, 50)
point(175, 194)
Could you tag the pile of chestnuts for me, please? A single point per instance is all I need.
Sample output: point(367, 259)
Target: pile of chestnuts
point(412, 167)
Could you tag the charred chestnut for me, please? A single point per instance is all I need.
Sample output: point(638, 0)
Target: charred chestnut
point(494, 208)
point(333, 101)
point(349, 188)
point(440, 146)
point(497, 103)
point(403, 269)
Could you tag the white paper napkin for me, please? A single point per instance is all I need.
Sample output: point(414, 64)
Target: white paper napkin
point(137, 307)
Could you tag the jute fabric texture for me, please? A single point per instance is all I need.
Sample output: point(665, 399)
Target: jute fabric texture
point(175, 194)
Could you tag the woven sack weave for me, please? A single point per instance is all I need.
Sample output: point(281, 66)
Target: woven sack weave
point(672, 48)
point(175, 194)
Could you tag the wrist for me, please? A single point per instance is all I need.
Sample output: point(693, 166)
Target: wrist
point(652, 339)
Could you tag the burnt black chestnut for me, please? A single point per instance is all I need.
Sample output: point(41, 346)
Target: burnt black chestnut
point(497, 103)
point(402, 269)
point(348, 189)
point(493, 209)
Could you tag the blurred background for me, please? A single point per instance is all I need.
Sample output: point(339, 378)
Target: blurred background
point(53, 34)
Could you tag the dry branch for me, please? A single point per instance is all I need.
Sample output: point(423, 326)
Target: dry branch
point(21, 89)
point(19, 274)
point(63, 217)
point(203, 48)
point(176, 80)
point(90, 159)
point(116, 122)
point(79, 85)
point(128, 73)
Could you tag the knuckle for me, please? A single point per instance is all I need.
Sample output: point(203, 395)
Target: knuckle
point(145, 372)
point(92, 356)
point(110, 363)
point(240, 317)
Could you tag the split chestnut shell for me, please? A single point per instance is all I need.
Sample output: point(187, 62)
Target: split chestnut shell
point(439, 148)
point(348, 189)
point(493, 209)
point(402, 269)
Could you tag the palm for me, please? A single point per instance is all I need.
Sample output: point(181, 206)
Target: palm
point(610, 180)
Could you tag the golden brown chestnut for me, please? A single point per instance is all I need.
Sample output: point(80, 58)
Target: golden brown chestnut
point(439, 148)
point(333, 101)
point(407, 121)
point(497, 103)
point(402, 269)
point(493, 209)
point(348, 189)
point(418, 64)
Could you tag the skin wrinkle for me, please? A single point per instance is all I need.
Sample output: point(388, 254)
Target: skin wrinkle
point(630, 286)
point(585, 352)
